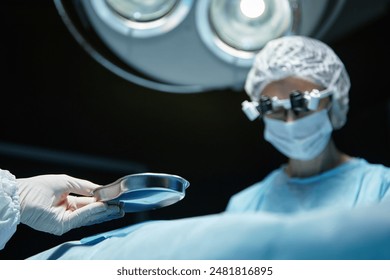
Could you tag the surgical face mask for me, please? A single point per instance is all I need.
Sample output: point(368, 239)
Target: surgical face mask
point(302, 139)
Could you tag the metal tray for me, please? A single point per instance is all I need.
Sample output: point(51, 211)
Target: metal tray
point(143, 191)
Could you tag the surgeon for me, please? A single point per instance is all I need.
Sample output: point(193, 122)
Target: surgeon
point(299, 89)
point(49, 203)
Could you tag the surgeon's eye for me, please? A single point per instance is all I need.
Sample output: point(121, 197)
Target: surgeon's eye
point(278, 114)
point(283, 114)
point(302, 114)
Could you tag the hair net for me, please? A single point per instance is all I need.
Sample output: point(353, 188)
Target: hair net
point(306, 58)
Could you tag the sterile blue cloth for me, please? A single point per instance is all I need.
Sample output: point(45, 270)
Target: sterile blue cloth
point(360, 233)
point(354, 183)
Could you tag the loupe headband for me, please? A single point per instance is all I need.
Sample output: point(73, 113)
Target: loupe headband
point(298, 102)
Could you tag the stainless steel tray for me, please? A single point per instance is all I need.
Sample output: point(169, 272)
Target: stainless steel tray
point(143, 191)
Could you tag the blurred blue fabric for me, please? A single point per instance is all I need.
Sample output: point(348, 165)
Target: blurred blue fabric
point(360, 233)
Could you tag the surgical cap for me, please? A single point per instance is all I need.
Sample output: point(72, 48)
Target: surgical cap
point(305, 58)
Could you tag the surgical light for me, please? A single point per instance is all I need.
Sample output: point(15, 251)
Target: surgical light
point(142, 10)
point(137, 18)
point(252, 8)
point(235, 30)
point(188, 46)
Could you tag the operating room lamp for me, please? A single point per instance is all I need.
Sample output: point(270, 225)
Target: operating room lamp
point(189, 46)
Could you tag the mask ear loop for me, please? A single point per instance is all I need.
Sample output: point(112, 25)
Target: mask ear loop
point(330, 104)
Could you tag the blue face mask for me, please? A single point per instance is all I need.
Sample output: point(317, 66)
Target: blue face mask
point(302, 139)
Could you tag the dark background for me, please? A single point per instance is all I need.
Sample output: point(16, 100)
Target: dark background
point(67, 114)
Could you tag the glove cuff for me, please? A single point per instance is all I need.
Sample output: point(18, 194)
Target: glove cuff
point(9, 206)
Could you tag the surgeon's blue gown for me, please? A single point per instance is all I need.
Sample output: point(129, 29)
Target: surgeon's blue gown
point(354, 183)
point(340, 214)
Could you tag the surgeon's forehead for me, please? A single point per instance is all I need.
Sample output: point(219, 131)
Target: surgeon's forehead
point(283, 87)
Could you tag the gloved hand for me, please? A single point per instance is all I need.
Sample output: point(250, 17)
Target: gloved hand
point(46, 204)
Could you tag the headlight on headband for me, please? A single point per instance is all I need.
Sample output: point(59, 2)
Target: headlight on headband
point(298, 102)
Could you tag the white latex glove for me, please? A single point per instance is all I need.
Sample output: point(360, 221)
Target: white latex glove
point(46, 204)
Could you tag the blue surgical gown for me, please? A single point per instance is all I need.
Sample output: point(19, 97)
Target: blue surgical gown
point(354, 183)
